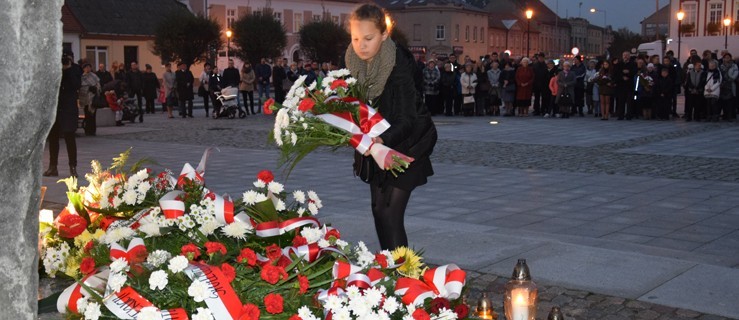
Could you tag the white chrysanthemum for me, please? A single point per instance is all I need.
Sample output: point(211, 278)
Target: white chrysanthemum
point(142, 174)
point(313, 208)
point(237, 229)
point(323, 243)
point(203, 314)
point(151, 229)
point(364, 256)
point(334, 302)
point(351, 81)
point(299, 83)
point(299, 196)
point(177, 264)
point(282, 119)
point(312, 86)
point(341, 314)
point(314, 197)
point(82, 304)
point(326, 82)
point(278, 137)
point(340, 73)
point(305, 126)
point(280, 206)
point(373, 296)
point(446, 314)
point(119, 265)
point(301, 211)
point(129, 197)
point(390, 305)
point(305, 314)
point(353, 292)
point(117, 234)
point(116, 281)
point(311, 234)
point(144, 187)
point(341, 244)
point(209, 226)
point(250, 197)
point(198, 291)
point(261, 197)
point(158, 258)
point(275, 187)
point(149, 313)
point(92, 312)
point(158, 280)
point(293, 138)
point(260, 184)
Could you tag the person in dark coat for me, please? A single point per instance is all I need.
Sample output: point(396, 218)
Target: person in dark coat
point(664, 88)
point(695, 83)
point(135, 83)
point(232, 78)
point(580, 70)
point(103, 75)
point(150, 89)
point(65, 123)
point(447, 89)
point(541, 85)
point(524, 87)
point(264, 72)
point(278, 76)
point(397, 94)
point(183, 82)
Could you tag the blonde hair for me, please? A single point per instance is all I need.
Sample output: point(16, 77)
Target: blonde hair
point(374, 14)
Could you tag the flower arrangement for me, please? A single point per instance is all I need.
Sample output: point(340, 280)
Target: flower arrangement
point(194, 254)
point(646, 81)
point(331, 112)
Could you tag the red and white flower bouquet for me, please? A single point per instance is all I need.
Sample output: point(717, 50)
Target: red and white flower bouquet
point(331, 112)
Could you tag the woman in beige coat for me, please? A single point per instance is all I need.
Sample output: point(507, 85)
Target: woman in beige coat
point(247, 87)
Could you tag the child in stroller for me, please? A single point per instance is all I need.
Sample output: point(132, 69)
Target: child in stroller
point(225, 104)
point(115, 105)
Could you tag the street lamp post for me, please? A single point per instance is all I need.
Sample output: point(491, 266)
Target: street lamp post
point(727, 22)
point(228, 43)
point(529, 14)
point(680, 17)
point(605, 24)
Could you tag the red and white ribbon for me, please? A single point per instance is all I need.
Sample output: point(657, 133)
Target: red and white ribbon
point(132, 222)
point(346, 274)
point(446, 281)
point(128, 303)
point(224, 209)
point(223, 301)
point(371, 123)
point(136, 249)
point(172, 207)
point(195, 174)
point(70, 295)
point(276, 228)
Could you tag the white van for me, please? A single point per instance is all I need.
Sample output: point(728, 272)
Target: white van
point(652, 48)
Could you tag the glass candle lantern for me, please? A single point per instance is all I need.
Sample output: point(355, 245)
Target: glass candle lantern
point(521, 294)
point(485, 308)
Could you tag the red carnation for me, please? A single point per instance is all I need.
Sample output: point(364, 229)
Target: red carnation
point(421, 314)
point(247, 256)
point(273, 274)
point(299, 241)
point(268, 106)
point(228, 271)
point(266, 176)
point(190, 251)
point(70, 225)
point(249, 312)
point(106, 221)
point(381, 260)
point(273, 303)
point(295, 317)
point(88, 247)
point(274, 252)
point(303, 283)
point(306, 105)
point(212, 247)
point(332, 233)
point(462, 311)
point(339, 83)
point(87, 266)
point(439, 303)
point(284, 262)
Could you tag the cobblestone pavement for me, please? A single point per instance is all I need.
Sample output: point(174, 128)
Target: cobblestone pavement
point(663, 190)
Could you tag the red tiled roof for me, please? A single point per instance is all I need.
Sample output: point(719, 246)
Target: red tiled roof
point(70, 24)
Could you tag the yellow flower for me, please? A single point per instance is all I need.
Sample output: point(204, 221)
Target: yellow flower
point(72, 266)
point(98, 233)
point(82, 239)
point(412, 266)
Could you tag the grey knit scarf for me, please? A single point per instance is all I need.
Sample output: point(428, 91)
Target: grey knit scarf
point(374, 74)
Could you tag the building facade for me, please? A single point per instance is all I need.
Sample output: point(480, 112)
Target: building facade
point(702, 28)
point(657, 25)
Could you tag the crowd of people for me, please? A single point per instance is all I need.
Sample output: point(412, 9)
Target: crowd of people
point(626, 87)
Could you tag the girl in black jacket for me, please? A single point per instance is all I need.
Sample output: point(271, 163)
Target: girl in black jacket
point(395, 91)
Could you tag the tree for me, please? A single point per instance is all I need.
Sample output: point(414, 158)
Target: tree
point(258, 36)
point(323, 41)
point(624, 40)
point(182, 36)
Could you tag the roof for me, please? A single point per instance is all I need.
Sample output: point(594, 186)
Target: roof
point(122, 17)
point(70, 24)
point(662, 16)
point(409, 4)
point(517, 8)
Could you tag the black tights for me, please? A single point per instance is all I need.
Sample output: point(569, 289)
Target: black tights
point(69, 140)
point(388, 208)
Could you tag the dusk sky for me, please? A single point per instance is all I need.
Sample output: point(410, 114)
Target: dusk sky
point(620, 13)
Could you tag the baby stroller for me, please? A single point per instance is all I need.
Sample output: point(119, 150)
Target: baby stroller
point(225, 104)
point(130, 112)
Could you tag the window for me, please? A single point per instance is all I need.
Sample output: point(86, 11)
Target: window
point(716, 12)
point(474, 34)
point(467, 33)
point(440, 34)
point(482, 34)
point(130, 54)
point(456, 33)
point(297, 22)
point(230, 17)
point(316, 17)
point(277, 16)
point(96, 56)
point(416, 32)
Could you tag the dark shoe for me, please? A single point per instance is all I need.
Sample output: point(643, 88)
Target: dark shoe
point(141, 119)
point(51, 172)
point(189, 115)
point(73, 171)
point(119, 123)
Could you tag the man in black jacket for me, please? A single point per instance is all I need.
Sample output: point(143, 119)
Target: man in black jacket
point(625, 71)
point(278, 75)
point(183, 83)
point(232, 78)
point(264, 73)
point(135, 86)
point(103, 75)
point(541, 85)
point(150, 89)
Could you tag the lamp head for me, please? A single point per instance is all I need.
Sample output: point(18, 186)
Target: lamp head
point(680, 15)
point(529, 14)
point(727, 22)
point(593, 10)
point(229, 33)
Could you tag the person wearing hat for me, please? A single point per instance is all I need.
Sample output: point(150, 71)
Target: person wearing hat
point(184, 81)
point(150, 89)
